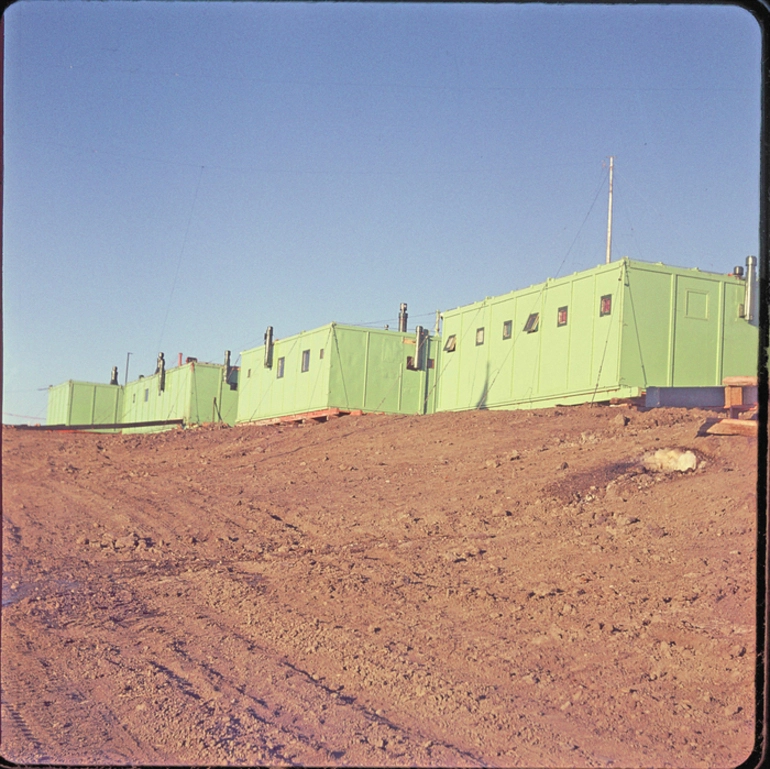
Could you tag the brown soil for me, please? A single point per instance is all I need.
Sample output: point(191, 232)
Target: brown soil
point(484, 588)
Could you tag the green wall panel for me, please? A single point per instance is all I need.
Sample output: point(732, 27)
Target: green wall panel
point(665, 326)
point(696, 332)
point(84, 403)
point(361, 368)
point(740, 340)
point(189, 393)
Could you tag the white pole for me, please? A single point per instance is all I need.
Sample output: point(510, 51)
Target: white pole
point(609, 215)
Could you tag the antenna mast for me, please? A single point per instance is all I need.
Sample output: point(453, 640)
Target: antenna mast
point(609, 215)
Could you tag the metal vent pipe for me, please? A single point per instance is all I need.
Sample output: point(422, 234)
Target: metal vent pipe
point(269, 347)
point(419, 334)
point(751, 289)
point(402, 316)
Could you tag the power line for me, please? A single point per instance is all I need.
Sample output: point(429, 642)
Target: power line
point(179, 261)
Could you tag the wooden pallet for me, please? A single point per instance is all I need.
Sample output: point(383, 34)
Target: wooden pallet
point(322, 415)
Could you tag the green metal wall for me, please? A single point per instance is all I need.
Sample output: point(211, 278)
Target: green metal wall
point(566, 363)
point(283, 388)
point(682, 328)
point(369, 371)
point(81, 403)
point(189, 393)
point(666, 327)
point(348, 368)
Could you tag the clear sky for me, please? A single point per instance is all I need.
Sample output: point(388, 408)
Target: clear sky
point(180, 175)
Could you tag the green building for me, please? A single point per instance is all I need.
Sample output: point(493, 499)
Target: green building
point(84, 403)
point(194, 392)
point(607, 332)
point(339, 367)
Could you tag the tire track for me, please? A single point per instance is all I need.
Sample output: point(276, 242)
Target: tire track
point(16, 721)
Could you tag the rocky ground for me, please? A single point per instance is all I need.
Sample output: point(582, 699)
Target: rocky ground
point(475, 589)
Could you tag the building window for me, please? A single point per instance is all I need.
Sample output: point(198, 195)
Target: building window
point(605, 306)
point(479, 336)
point(532, 323)
point(410, 363)
point(146, 395)
point(507, 329)
point(451, 343)
point(133, 398)
point(279, 368)
point(561, 316)
point(305, 360)
point(321, 356)
point(248, 374)
point(431, 363)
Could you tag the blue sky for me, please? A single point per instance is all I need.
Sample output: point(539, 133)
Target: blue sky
point(179, 176)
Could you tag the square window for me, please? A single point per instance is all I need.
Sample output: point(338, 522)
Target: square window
point(605, 306)
point(561, 317)
point(479, 336)
point(279, 368)
point(305, 360)
point(431, 363)
point(451, 343)
point(410, 363)
point(532, 323)
point(507, 329)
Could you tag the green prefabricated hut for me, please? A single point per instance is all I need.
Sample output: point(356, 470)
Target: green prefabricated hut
point(84, 403)
point(194, 392)
point(607, 332)
point(339, 367)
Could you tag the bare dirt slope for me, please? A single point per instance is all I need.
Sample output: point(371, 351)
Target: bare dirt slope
point(476, 589)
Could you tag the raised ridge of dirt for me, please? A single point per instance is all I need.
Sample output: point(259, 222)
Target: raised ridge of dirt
point(473, 589)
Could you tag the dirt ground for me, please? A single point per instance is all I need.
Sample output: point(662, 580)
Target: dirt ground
point(474, 589)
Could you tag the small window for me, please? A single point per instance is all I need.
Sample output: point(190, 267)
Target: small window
point(532, 323)
point(507, 329)
point(248, 374)
point(431, 363)
point(451, 343)
point(410, 363)
point(605, 306)
point(133, 398)
point(305, 360)
point(279, 368)
point(146, 395)
point(561, 316)
point(321, 356)
point(479, 336)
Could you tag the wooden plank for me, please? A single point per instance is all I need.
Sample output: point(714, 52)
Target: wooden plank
point(746, 427)
point(321, 415)
point(740, 381)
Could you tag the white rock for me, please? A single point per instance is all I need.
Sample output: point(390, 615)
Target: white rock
point(670, 461)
